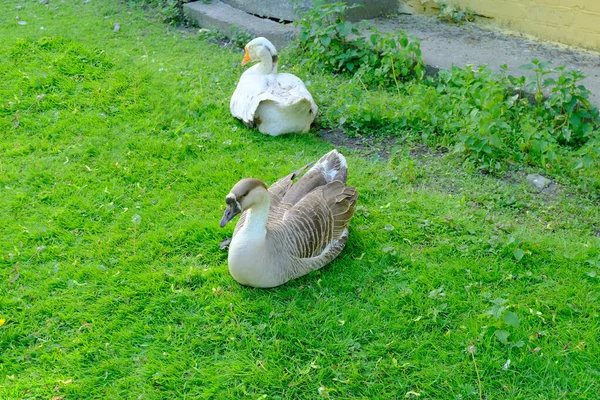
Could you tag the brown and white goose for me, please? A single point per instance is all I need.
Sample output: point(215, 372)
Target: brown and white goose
point(291, 228)
point(276, 103)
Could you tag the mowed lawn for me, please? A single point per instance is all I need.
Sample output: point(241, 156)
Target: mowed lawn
point(116, 152)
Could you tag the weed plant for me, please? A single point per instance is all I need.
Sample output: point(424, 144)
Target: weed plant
point(449, 11)
point(327, 41)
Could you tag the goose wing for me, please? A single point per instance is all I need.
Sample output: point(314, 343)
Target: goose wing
point(331, 167)
point(288, 89)
point(247, 96)
point(318, 219)
point(284, 89)
point(279, 189)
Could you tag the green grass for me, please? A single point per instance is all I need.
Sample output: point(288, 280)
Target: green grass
point(100, 127)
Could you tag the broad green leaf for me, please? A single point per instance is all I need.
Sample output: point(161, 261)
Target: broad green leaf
point(518, 253)
point(502, 336)
point(510, 318)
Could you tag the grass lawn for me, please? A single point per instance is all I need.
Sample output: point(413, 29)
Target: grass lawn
point(116, 152)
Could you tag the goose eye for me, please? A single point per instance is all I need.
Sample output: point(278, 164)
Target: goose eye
point(230, 200)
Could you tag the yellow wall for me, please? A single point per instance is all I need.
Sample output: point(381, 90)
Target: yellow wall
point(572, 22)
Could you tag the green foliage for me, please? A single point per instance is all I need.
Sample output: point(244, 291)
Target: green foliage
point(169, 11)
point(488, 118)
point(504, 321)
point(457, 15)
point(479, 115)
point(566, 110)
point(327, 41)
point(451, 12)
point(238, 38)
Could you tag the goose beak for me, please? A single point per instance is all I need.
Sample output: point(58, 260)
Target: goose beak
point(247, 58)
point(230, 212)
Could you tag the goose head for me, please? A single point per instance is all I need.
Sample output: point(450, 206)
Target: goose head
point(245, 194)
point(260, 49)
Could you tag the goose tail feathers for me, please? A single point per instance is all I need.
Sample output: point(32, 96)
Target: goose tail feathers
point(334, 167)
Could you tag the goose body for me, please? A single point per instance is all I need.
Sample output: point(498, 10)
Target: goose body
point(291, 228)
point(276, 103)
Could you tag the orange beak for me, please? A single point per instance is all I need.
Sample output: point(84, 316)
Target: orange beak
point(246, 59)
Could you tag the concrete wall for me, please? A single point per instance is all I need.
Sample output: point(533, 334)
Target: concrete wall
point(572, 22)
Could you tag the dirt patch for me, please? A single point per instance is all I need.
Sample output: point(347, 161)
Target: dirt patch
point(422, 151)
point(367, 145)
point(383, 147)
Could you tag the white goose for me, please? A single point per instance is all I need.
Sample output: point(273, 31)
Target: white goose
point(290, 229)
point(276, 103)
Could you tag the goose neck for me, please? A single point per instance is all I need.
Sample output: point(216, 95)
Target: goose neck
point(258, 214)
point(268, 61)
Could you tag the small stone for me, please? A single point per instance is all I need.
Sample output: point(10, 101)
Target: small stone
point(117, 27)
point(538, 181)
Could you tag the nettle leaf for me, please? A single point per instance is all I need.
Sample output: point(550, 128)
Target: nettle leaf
point(499, 301)
point(593, 263)
point(512, 319)
point(502, 336)
point(518, 253)
point(344, 28)
point(498, 308)
point(527, 66)
point(436, 293)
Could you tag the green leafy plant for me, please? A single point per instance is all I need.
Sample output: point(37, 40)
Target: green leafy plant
point(504, 321)
point(562, 102)
point(491, 119)
point(239, 37)
point(455, 14)
point(451, 12)
point(328, 41)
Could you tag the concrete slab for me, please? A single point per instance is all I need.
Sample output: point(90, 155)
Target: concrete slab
point(223, 17)
point(285, 9)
